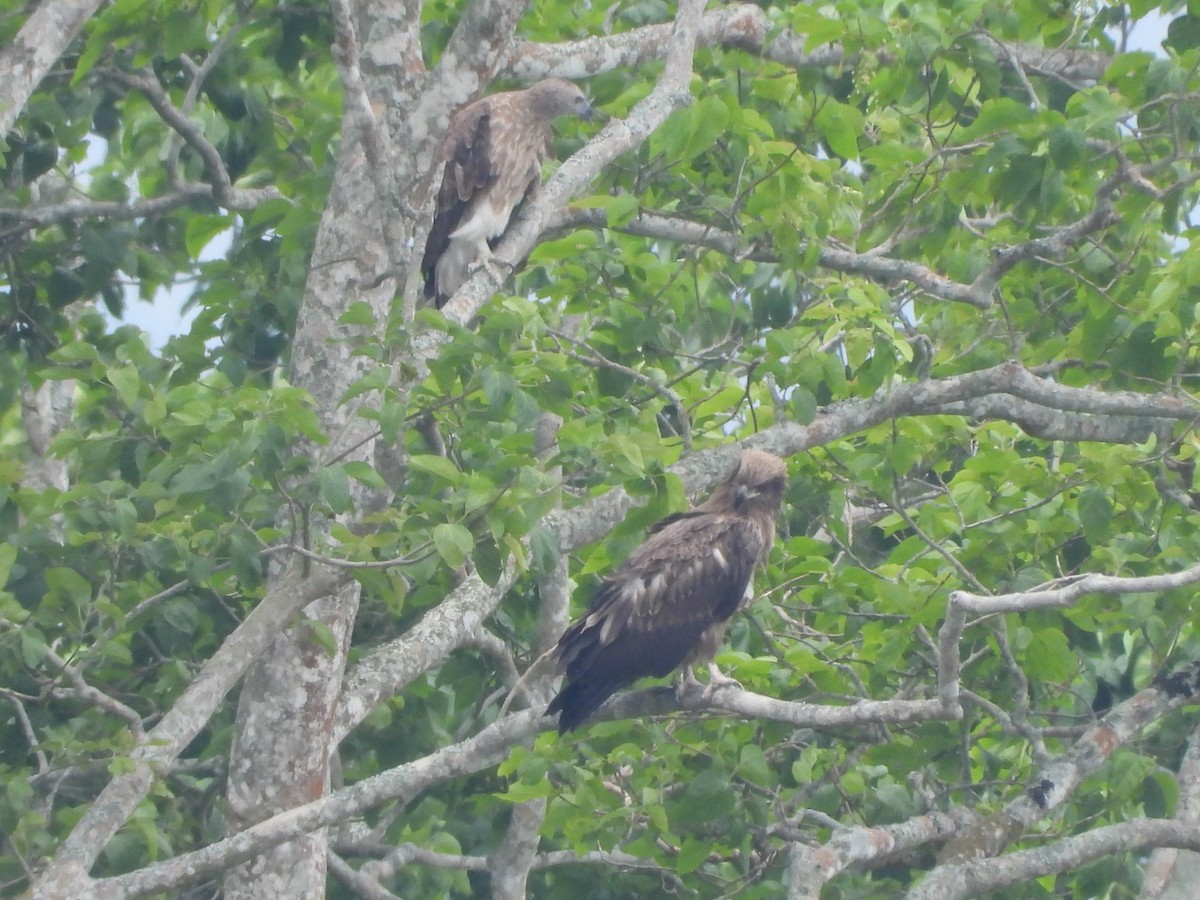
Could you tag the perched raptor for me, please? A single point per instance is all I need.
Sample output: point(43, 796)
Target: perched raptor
point(671, 601)
point(493, 154)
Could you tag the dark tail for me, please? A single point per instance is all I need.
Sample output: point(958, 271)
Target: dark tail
point(578, 700)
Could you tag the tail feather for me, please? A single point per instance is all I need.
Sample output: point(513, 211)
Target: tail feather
point(578, 700)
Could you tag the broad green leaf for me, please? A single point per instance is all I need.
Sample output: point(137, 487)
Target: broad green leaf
point(361, 471)
point(453, 542)
point(692, 854)
point(841, 126)
point(335, 488)
point(436, 465)
point(126, 381)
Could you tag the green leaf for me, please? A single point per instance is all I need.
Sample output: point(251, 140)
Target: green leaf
point(804, 404)
point(334, 487)
point(8, 555)
point(709, 119)
point(1067, 147)
point(323, 635)
point(1160, 794)
point(181, 614)
point(126, 381)
point(544, 544)
point(841, 126)
point(521, 792)
point(436, 465)
point(1183, 33)
point(692, 854)
point(33, 648)
point(1049, 656)
point(818, 29)
point(1000, 115)
point(201, 230)
point(361, 471)
point(454, 543)
point(1095, 514)
point(358, 313)
point(67, 583)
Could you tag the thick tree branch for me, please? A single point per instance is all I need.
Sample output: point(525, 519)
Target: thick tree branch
point(661, 701)
point(746, 27)
point(977, 877)
point(811, 867)
point(402, 784)
point(442, 630)
point(1056, 781)
point(514, 856)
point(358, 881)
point(492, 744)
point(587, 523)
point(740, 25)
point(1071, 590)
point(43, 38)
point(875, 267)
point(362, 124)
point(414, 854)
point(39, 216)
point(480, 41)
point(482, 751)
point(1053, 425)
point(967, 833)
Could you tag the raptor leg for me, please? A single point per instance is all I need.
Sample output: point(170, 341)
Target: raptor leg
point(717, 678)
point(498, 269)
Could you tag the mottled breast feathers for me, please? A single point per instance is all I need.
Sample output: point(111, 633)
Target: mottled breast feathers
point(675, 593)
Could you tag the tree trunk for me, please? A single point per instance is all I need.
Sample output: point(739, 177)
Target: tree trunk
point(284, 736)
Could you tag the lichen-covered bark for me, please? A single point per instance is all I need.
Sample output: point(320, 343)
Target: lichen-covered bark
point(284, 727)
point(43, 38)
point(286, 718)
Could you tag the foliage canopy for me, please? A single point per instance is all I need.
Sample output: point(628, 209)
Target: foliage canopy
point(936, 253)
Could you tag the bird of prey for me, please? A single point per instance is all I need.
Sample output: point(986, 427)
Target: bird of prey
point(493, 154)
point(670, 603)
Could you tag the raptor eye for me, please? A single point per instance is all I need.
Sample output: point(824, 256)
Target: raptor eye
point(743, 493)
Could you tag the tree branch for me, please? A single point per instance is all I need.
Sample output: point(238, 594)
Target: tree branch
point(876, 267)
point(974, 878)
point(43, 38)
point(1072, 589)
point(146, 83)
point(588, 522)
point(746, 27)
point(401, 784)
point(40, 216)
point(442, 630)
point(1056, 781)
point(358, 881)
point(64, 878)
point(1053, 425)
point(81, 690)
